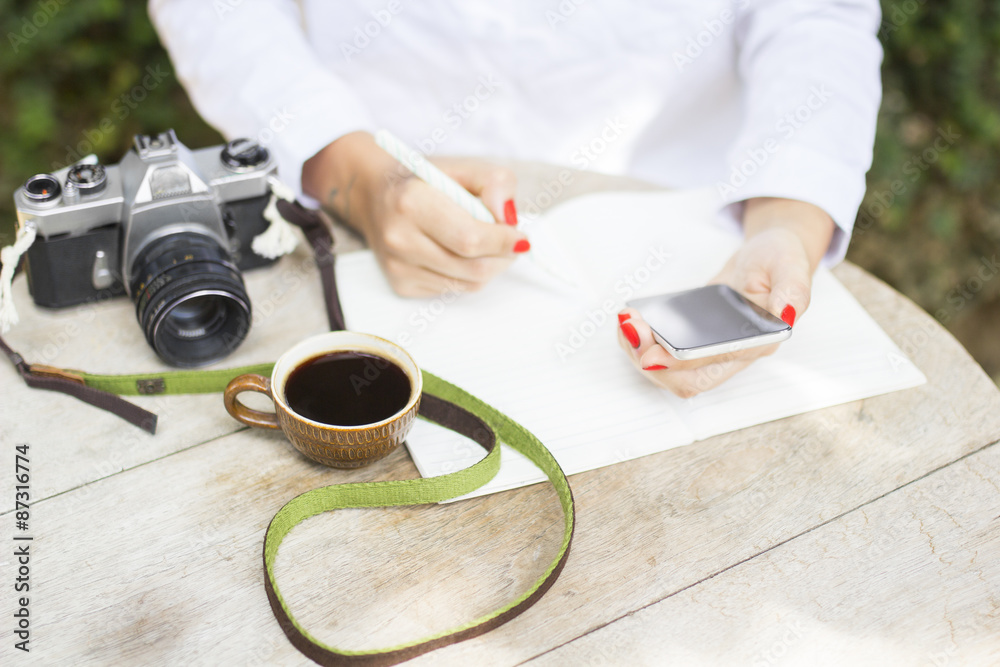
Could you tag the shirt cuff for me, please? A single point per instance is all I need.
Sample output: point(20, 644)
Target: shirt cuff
point(796, 172)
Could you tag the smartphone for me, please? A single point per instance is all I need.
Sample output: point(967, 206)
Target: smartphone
point(709, 320)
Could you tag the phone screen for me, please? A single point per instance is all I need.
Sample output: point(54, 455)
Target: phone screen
point(709, 316)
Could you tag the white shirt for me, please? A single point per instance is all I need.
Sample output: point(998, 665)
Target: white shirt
point(752, 97)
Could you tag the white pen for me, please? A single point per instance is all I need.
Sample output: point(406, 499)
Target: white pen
point(422, 168)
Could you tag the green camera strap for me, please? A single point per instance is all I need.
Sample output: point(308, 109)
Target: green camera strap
point(441, 402)
point(458, 410)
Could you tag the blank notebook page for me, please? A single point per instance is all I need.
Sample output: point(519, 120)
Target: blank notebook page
point(546, 353)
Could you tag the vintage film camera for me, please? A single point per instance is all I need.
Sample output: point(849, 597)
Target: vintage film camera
point(168, 226)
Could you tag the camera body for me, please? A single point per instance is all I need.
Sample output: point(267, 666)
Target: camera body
point(167, 226)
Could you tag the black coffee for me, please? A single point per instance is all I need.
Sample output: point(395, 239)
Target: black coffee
point(347, 389)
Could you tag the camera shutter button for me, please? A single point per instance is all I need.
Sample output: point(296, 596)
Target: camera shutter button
point(71, 195)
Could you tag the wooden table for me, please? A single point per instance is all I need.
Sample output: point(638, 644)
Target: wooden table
point(861, 534)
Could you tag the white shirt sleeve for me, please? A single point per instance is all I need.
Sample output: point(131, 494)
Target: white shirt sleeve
point(250, 71)
point(812, 90)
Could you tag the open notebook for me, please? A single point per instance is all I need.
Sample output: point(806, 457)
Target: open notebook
point(546, 353)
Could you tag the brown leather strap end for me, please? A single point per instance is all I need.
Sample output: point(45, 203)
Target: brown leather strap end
point(38, 376)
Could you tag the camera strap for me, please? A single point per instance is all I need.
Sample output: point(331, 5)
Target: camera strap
point(463, 413)
point(441, 402)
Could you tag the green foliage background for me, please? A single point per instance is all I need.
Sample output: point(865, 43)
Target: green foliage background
point(930, 220)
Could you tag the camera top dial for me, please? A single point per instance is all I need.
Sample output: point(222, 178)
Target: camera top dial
point(243, 154)
point(88, 178)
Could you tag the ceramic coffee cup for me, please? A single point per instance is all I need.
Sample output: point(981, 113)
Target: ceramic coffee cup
point(340, 446)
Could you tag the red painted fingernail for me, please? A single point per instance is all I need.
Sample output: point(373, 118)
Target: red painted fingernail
point(655, 367)
point(522, 246)
point(622, 317)
point(788, 315)
point(510, 213)
point(630, 333)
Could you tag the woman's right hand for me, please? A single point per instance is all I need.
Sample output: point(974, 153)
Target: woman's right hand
point(425, 243)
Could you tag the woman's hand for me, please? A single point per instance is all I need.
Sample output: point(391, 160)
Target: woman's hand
point(425, 243)
point(784, 243)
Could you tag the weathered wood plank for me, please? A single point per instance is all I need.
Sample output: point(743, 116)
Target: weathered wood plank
point(160, 564)
point(910, 579)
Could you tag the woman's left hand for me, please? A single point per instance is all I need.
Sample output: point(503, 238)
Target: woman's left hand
point(784, 242)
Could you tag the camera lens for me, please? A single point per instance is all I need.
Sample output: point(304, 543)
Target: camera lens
point(201, 314)
point(88, 178)
point(190, 299)
point(42, 188)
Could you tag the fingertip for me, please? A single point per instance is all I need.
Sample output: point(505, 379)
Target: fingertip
point(631, 335)
point(497, 189)
point(627, 314)
point(510, 213)
point(788, 315)
point(789, 296)
point(656, 359)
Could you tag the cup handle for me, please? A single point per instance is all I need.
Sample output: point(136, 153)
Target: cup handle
point(240, 412)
